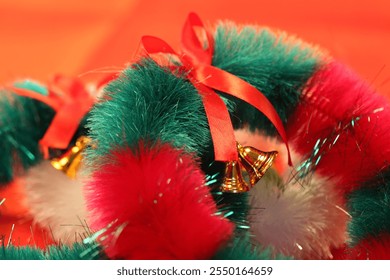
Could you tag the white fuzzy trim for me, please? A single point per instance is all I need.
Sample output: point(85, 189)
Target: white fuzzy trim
point(56, 203)
point(303, 219)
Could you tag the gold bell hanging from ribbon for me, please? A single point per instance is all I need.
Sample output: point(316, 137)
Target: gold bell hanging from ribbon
point(70, 162)
point(255, 162)
point(233, 182)
point(251, 160)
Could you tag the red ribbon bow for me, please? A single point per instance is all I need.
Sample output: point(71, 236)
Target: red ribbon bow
point(70, 100)
point(196, 59)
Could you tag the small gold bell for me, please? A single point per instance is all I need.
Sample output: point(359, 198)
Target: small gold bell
point(69, 163)
point(255, 162)
point(233, 181)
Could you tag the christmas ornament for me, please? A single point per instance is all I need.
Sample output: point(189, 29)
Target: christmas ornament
point(69, 163)
point(255, 162)
point(313, 201)
point(45, 121)
point(168, 116)
point(166, 179)
point(233, 181)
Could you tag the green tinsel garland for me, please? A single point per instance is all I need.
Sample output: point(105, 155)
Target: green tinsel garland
point(149, 103)
point(23, 122)
point(77, 251)
point(278, 65)
point(232, 206)
point(21, 253)
point(370, 208)
point(241, 248)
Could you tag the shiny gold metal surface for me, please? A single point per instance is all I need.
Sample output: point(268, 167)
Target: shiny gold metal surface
point(69, 163)
point(255, 162)
point(233, 181)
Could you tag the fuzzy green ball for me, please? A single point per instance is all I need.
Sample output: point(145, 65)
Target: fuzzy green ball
point(277, 65)
point(149, 104)
point(23, 122)
point(370, 208)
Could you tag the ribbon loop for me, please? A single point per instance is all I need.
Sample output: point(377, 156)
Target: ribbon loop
point(70, 100)
point(196, 57)
point(154, 45)
point(197, 43)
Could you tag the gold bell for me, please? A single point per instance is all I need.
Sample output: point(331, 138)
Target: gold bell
point(255, 162)
point(69, 163)
point(233, 181)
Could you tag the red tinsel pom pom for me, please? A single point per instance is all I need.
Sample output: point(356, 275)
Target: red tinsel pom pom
point(347, 121)
point(157, 204)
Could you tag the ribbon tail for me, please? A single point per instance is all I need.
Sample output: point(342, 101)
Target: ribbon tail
point(221, 128)
point(228, 83)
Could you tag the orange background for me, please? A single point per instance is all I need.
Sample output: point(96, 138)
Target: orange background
point(42, 37)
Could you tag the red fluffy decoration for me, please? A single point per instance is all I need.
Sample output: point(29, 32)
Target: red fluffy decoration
point(341, 108)
point(159, 204)
point(372, 248)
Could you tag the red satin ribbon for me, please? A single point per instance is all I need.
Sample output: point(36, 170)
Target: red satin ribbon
point(196, 58)
point(70, 100)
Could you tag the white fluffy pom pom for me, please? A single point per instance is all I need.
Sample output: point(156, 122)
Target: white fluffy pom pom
point(303, 219)
point(56, 202)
